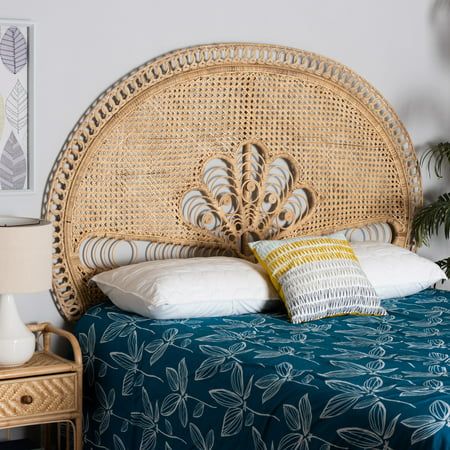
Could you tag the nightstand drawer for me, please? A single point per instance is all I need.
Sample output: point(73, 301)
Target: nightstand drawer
point(37, 396)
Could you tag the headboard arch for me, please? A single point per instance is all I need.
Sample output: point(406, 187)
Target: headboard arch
point(204, 149)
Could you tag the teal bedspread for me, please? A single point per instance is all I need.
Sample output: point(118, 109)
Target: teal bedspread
point(258, 382)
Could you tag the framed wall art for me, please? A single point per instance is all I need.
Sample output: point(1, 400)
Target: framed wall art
point(16, 106)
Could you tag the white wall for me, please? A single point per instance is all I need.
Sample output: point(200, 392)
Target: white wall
point(82, 46)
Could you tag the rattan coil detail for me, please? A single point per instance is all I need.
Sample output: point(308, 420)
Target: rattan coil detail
point(209, 124)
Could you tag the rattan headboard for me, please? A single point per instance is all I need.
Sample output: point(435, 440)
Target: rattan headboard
point(204, 149)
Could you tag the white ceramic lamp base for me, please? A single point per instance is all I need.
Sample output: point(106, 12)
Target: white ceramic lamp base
point(17, 342)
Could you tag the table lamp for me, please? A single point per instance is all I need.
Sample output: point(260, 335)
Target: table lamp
point(25, 267)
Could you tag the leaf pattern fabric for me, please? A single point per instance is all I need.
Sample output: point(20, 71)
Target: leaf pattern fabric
point(13, 166)
point(259, 382)
point(13, 50)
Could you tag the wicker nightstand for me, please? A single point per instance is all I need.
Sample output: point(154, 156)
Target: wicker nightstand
point(47, 389)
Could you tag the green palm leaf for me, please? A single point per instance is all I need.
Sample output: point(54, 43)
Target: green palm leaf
point(430, 218)
point(437, 154)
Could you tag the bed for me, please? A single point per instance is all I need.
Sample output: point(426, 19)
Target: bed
point(199, 153)
point(258, 381)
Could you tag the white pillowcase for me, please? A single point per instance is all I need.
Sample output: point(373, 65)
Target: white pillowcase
point(193, 287)
point(395, 271)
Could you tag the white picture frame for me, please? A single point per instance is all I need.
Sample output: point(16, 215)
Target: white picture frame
point(16, 107)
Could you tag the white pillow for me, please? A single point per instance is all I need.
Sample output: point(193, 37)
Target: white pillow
point(395, 271)
point(193, 287)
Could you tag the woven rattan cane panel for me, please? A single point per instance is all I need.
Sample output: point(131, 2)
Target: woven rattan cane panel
point(48, 395)
point(40, 362)
point(211, 147)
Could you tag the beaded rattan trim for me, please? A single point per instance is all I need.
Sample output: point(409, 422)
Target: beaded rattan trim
point(143, 154)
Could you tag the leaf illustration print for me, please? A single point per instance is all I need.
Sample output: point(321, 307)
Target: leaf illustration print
point(298, 420)
point(257, 325)
point(377, 438)
point(148, 421)
point(131, 361)
point(353, 396)
point(258, 442)
point(284, 373)
point(222, 335)
point(219, 358)
point(374, 353)
point(428, 425)
point(436, 364)
point(430, 344)
point(177, 400)
point(2, 116)
point(87, 343)
point(118, 444)
point(296, 338)
point(13, 165)
point(349, 369)
point(17, 107)
point(106, 403)
point(428, 387)
point(200, 442)
point(356, 341)
point(105, 410)
point(123, 325)
point(158, 347)
point(235, 402)
point(286, 351)
point(13, 50)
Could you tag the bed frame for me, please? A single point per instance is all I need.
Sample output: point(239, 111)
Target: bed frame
point(205, 149)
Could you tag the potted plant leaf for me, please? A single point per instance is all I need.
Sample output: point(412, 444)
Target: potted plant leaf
point(429, 220)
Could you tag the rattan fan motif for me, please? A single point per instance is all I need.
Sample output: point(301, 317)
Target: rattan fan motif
point(207, 148)
point(248, 198)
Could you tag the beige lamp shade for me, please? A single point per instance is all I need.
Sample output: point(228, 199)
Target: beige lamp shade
point(25, 255)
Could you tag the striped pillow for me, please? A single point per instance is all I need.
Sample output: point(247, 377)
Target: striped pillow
point(318, 277)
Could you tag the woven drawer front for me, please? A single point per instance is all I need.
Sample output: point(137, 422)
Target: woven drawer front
point(38, 395)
